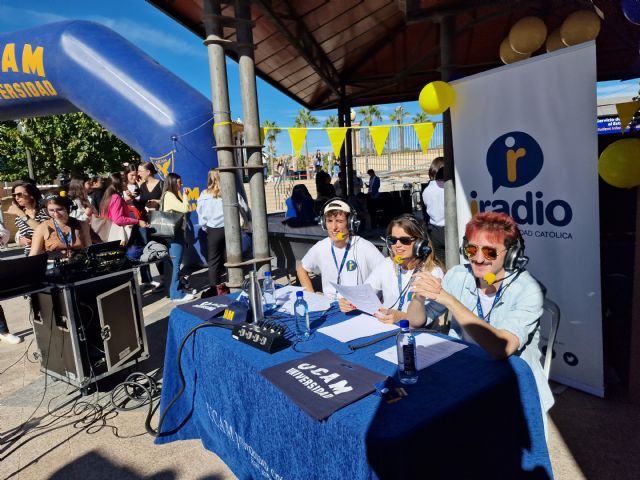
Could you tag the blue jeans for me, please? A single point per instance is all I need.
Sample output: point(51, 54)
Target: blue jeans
point(176, 249)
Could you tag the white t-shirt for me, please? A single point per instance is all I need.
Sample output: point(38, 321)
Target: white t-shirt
point(433, 199)
point(385, 279)
point(362, 258)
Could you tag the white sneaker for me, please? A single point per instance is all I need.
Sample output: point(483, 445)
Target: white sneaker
point(10, 338)
point(187, 298)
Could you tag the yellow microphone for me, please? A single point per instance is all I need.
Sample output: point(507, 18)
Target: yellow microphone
point(340, 236)
point(398, 259)
point(490, 278)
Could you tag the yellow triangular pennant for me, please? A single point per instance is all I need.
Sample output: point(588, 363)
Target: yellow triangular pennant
point(424, 131)
point(336, 137)
point(626, 111)
point(297, 139)
point(379, 136)
point(263, 134)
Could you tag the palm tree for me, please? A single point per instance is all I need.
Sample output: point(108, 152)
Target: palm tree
point(420, 117)
point(369, 114)
point(305, 119)
point(398, 116)
point(331, 121)
point(272, 133)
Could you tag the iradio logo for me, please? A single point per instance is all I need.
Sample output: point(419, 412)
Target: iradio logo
point(513, 160)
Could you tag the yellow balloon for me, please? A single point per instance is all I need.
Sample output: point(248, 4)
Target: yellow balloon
point(436, 97)
point(507, 55)
point(579, 27)
point(527, 35)
point(619, 163)
point(554, 41)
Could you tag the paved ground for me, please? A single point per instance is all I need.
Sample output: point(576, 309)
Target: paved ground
point(48, 432)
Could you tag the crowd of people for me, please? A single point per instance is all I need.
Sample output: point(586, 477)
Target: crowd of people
point(96, 210)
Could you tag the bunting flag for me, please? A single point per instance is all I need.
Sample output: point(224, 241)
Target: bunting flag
point(163, 164)
point(336, 137)
point(263, 134)
point(626, 112)
point(424, 131)
point(379, 136)
point(297, 139)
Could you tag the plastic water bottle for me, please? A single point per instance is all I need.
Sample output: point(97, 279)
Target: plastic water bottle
point(301, 310)
point(406, 344)
point(268, 291)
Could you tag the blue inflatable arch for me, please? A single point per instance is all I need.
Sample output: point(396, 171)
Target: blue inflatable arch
point(83, 66)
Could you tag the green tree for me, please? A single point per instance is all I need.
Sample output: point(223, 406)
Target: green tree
point(369, 114)
point(305, 119)
point(71, 142)
point(331, 121)
point(272, 134)
point(398, 115)
point(420, 117)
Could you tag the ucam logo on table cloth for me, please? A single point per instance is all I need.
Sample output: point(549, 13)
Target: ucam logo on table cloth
point(514, 159)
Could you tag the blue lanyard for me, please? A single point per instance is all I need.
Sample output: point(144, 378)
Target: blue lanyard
point(344, 258)
point(401, 291)
point(66, 239)
point(479, 305)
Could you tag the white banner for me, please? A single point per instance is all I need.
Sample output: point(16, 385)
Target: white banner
point(525, 143)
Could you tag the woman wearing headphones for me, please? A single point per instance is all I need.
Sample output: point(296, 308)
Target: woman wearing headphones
point(61, 235)
point(410, 251)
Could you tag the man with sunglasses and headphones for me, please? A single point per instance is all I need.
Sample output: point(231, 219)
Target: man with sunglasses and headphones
point(343, 257)
point(494, 302)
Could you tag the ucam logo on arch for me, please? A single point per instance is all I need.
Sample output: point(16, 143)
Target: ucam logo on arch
point(514, 159)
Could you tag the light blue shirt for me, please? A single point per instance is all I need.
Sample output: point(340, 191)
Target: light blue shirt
point(517, 311)
point(209, 210)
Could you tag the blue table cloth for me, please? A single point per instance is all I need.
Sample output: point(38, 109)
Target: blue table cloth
point(469, 416)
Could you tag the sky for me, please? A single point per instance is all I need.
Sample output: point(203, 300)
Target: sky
point(183, 53)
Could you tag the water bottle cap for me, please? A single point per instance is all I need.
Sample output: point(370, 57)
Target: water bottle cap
point(403, 323)
point(300, 294)
point(267, 274)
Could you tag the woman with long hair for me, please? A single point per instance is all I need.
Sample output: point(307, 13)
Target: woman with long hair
point(433, 206)
point(173, 201)
point(211, 219)
point(61, 236)
point(81, 209)
point(131, 191)
point(29, 214)
point(150, 187)
point(409, 252)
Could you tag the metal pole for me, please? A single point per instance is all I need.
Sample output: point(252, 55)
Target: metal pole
point(32, 175)
point(451, 217)
point(252, 134)
point(224, 140)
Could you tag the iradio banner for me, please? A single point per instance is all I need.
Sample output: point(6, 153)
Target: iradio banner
point(525, 143)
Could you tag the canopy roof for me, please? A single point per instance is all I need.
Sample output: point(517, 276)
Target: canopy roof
point(382, 51)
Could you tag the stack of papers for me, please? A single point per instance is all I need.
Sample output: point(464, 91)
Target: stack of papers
point(362, 296)
point(429, 350)
point(286, 297)
point(357, 327)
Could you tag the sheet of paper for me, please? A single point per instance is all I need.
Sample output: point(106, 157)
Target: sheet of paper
point(429, 350)
point(362, 296)
point(360, 326)
point(286, 297)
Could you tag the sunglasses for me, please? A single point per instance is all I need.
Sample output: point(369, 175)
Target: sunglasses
point(19, 195)
point(489, 253)
point(403, 240)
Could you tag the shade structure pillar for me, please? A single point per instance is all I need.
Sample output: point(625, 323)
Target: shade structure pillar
point(224, 141)
point(253, 144)
point(451, 217)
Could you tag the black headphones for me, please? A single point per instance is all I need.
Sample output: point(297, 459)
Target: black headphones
point(58, 199)
point(421, 248)
point(353, 222)
point(515, 259)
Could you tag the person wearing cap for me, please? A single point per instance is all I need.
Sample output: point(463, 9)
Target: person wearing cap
point(343, 257)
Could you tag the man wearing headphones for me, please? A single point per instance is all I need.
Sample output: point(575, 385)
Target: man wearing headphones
point(495, 303)
point(343, 257)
